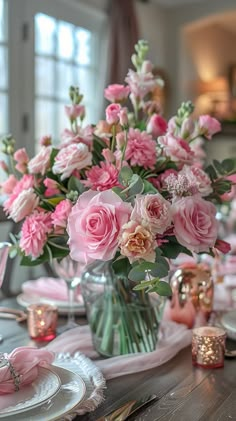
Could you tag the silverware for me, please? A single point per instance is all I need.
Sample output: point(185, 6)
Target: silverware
point(122, 413)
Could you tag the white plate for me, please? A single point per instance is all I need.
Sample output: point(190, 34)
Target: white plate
point(71, 394)
point(228, 321)
point(63, 308)
point(44, 388)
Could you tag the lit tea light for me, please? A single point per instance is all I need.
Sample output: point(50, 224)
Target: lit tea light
point(208, 347)
point(42, 321)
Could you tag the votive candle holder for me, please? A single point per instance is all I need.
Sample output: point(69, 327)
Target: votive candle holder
point(208, 347)
point(42, 321)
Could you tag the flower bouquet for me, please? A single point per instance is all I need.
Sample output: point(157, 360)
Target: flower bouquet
point(130, 190)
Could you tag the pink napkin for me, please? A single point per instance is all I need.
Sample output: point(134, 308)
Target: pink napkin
point(24, 362)
point(52, 288)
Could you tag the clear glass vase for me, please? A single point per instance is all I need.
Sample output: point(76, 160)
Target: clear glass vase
point(122, 321)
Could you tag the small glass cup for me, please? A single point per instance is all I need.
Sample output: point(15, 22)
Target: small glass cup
point(42, 321)
point(208, 347)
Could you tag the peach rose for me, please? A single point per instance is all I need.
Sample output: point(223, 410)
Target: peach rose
point(137, 242)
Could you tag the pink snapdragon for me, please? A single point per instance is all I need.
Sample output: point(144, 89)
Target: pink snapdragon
point(137, 242)
point(116, 93)
point(94, 225)
point(208, 126)
point(141, 149)
point(23, 205)
point(41, 162)
point(45, 140)
point(34, 233)
point(22, 159)
point(112, 113)
point(195, 224)
point(176, 148)
point(61, 213)
point(157, 125)
point(154, 210)
point(74, 111)
point(140, 83)
point(102, 177)
point(73, 157)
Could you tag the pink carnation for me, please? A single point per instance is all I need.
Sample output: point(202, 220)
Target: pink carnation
point(208, 126)
point(34, 233)
point(157, 125)
point(94, 225)
point(176, 148)
point(137, 242)
point(73, 157)
point(102, 177)
point(41, 162)
point(195, 224)
point(154, 210)
point(141, 149)
point(61, 213)
point(116, 93)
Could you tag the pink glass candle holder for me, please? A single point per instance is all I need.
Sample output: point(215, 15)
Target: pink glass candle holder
point(208, 347)
point(42, 321)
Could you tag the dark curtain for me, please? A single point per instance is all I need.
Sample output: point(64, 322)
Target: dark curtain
point(123, 35)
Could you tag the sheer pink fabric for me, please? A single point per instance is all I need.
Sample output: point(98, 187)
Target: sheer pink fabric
point(25, 362)
point(52, 288)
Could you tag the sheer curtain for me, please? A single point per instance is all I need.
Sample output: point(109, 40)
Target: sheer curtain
point(123, 35)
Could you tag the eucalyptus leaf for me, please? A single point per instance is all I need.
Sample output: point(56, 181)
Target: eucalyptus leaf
point(74, 184)
point(125, 176)
point(162, 288)
point(136, 185)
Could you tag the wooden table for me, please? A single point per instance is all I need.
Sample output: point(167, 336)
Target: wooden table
point(184, 393)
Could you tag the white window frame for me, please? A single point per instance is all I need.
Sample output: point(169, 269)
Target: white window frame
point(21, 57)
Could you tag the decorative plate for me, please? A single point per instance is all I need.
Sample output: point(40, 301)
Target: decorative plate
point(63, 307)
point(43, 389)
point(228, 321)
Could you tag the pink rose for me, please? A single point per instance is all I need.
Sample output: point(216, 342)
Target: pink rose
point(116, 93)
point(154, 210)
point(41, 162)
point(176, 148)
point(137, 242)
point(208, 126)
point(112, 113)
point(23, 205)
point(8, 185)
point(195, 224)
point(26, 182)
point(157, 125)
point(34, 233)
point(94, 225)
point(61, 213)
point(73, 157)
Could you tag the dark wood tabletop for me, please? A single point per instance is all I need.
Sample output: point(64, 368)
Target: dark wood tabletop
point(184, 393)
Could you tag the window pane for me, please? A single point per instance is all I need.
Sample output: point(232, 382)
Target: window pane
point(66, 78)
point(85, 83)
point(3, 20)
point(83, 39)
point(65, 40)
point(44, 76)
point(44, 121)
point(45, 28)
point(3, 68)
point(62, 122)
point(3, 113)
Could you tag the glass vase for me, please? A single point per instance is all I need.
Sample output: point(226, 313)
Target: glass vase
point(122, 321)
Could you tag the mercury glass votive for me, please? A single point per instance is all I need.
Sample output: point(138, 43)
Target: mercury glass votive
point(208, 347)
point(42, 321)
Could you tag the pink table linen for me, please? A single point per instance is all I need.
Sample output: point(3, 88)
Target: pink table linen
point(52, 288)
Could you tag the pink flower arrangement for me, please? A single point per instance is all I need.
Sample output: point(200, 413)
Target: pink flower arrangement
point(131, 188)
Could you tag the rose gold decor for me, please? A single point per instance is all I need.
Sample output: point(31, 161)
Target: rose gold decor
point(42, 321)
point(208, 347)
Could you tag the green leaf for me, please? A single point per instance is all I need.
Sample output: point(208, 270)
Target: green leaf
point(121, 267)
point(162, 288)
point(172, 249)
point(218, 167)
point(125, 176)
point(54, 200)
point(228, 165)
point(118, 191)
point(136, 185)
point(149, 188)
point(159, 269)
point(53, 156)
point(74, 184)
point(211, 172)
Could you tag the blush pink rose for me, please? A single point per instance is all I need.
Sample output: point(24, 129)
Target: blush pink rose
point(73, 157)
point(208, 126)
point(195, 224)
point(112, 113)
point(141, 149)
point(116, 93)
point(102, 177)
point(137, 242)
point(94, 225)
point(34, 233)
point(176, 148)
point(41, 162)
point(61, 213)
point(7, 186)
point(157, 125)
point(154, 210)
point(23, 205)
